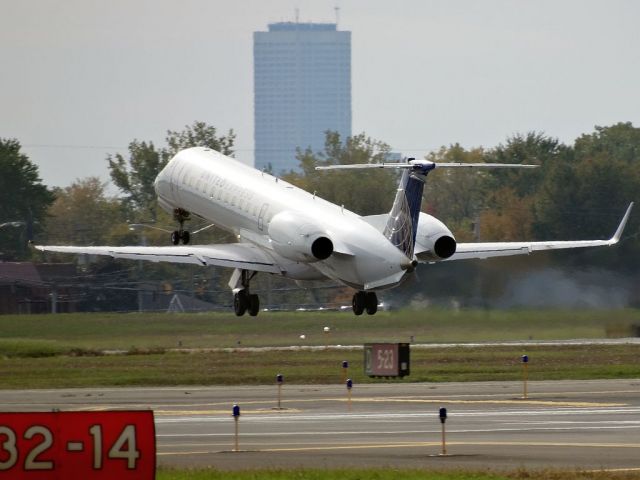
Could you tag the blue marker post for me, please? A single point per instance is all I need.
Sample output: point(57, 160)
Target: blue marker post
point(443, 419)
point(525, 374)
point(236, 418)
point(349, 387)
point(279, 382)
point(345, 370)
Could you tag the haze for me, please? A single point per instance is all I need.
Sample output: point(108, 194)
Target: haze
point(82, 78)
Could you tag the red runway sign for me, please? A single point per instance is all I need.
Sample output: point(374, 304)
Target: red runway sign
point(386, 359)
point(78, 445)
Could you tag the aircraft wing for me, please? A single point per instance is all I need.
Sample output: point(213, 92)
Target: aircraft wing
point(233, 255)
point(501, 249)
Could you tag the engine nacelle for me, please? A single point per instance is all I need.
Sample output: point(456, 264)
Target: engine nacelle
point(297, 237)
point(434, 241)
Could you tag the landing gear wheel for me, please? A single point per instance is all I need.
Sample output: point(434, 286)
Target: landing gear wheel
point(371, 302)
point(358, 303)
point(180, 235)
point(240, 303)
point(243, 300)
point(254, 305)
point(180, 215)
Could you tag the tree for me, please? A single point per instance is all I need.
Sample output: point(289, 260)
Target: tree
point(455, 195)
point(531, 148)
point(366, 192)
point(135, 176)
point(82, 214)
point(23, 199)
point(199, 135)
point(617, 142)
point(509, 220)
point(583, 197)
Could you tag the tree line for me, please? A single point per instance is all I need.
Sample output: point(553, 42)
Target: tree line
point(580, 191)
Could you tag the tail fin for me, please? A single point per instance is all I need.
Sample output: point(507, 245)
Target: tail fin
point(402, 224)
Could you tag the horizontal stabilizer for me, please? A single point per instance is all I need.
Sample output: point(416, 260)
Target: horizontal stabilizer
point(424, 165)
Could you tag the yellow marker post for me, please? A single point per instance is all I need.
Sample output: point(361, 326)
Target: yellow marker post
point(525, 374)
point(279, 381)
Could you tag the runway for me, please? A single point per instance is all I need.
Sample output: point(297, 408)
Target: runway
point(567, 424)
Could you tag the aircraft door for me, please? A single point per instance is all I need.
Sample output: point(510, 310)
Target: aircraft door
point(172, 180)
point(179, 178)
point(263, 212)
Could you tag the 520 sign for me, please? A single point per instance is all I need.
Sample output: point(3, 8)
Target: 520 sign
point(78, 445)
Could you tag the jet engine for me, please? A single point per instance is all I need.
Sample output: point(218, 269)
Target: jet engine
point(434, 241)
point(441, 247)
point(299, 238)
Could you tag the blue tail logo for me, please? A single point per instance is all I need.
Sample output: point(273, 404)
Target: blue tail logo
point(402, 225)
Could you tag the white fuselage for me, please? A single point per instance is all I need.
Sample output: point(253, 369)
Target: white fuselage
point(244, 201)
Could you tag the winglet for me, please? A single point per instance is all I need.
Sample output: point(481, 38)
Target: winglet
point(616, 236)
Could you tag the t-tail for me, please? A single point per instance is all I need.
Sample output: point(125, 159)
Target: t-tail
point(402, 224)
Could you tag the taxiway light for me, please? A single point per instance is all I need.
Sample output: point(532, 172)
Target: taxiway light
point(279, 378)
point(236, 411)
point(349, 383)
point(525, 358)
point(345, 364)
point(326, 329)
point(443, 415)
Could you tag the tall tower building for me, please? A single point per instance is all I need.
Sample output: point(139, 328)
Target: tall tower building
point(302, 88)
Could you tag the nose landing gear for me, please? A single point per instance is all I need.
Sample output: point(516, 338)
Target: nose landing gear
point(181, 216)
point(178, 235)
point(365, 301)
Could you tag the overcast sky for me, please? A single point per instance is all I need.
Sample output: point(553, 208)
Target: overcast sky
point(82, 78)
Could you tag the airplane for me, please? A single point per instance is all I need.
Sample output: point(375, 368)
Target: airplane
point(284, 230)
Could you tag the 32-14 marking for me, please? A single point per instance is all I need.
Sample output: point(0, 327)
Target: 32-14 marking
point(124, 448)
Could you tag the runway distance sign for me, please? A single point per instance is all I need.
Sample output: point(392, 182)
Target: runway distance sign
point(386, 359)
point(78, 445)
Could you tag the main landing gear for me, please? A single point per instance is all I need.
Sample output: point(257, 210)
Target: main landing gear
point(181, 216)
point(365, 301)
point(243, 300)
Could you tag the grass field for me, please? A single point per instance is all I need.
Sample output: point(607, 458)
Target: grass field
point(53, 334)
point(317, 367)
point(68, 350)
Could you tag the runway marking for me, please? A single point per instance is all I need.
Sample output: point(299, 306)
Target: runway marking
point(258, 411)
point(614, 470)
point(452, 399)
point(518, 389)
point(488, 443)
point(528, 402)
point(546, 403)
point(394, 432)
point(423, 444)
point(395, 417)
